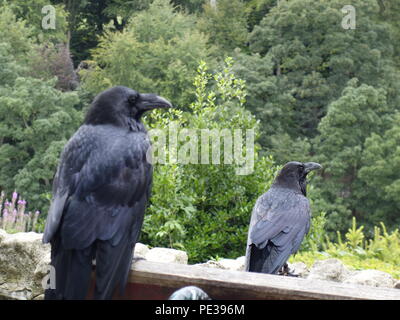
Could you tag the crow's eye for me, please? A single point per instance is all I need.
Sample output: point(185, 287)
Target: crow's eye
point(132, 99)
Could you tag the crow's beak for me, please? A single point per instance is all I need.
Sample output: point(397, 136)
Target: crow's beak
point(150, 101)
point(310, 166)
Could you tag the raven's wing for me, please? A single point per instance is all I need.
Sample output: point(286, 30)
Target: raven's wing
point(280, 220)
point(100, 193)
point(102, 177)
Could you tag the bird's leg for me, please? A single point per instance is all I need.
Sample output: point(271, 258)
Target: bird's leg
point(285, 271)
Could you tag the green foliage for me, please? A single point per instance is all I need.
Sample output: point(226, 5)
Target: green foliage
point(309, 58)
point(350, 120)
point(256, 10)
point(318, 92)
point(40, 57)
point(125, 9)
point(380, 252)
point(226, 24)
point(205, 208)
point(158, 51)
point(35, 121)
point(315, 237)
point(381, 174)
point(16, 33)
point(31, 12)
point(190, 5)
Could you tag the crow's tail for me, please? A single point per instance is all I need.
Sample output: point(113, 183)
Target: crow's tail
point(268, 259)
point(112, 267)
point(73, 270)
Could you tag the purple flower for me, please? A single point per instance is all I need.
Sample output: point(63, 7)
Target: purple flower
point(15, 195)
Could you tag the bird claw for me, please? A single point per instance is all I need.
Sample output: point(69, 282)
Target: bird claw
point(285, 271)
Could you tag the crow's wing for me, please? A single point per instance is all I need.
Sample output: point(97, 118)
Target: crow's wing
point(280, 219)
point(101, 187)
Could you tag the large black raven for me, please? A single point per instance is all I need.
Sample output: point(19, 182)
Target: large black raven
point(100, 192)
point(280, 220)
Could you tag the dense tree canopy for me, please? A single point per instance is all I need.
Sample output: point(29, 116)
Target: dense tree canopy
point(36, 118)
point(313, 90)
point(158, 51)
point(311, 57)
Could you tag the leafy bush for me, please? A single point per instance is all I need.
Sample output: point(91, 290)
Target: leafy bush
point(205, 208)
point(381, 252)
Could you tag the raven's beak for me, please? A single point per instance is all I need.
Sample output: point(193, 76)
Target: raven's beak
point(150, 101)
point(310, 166)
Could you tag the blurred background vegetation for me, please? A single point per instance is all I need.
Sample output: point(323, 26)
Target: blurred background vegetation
point(311, 90)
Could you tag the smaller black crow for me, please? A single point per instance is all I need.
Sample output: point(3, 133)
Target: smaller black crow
point(280, 219)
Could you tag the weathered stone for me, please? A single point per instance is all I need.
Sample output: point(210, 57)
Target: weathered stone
point(167, 255)
point(369, 277)
point(23, 264)
point(3, 234)
point(241, 262)
point(299, 268)
point(330, 269)
point(140, 250)
point(231, 264)
point(226, 264)
point(210, 264)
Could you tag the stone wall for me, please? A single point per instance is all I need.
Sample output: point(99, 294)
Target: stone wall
point(24, 264)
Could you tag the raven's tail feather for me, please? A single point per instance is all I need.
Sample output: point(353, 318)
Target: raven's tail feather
point(268, 259)
point(73, 270)
point(112, 267)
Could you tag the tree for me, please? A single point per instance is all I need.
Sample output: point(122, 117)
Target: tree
point(256, 10)
point(36, 121)
point(35, 118)
point(389, 11)
point(16, 33)
point(225, 24)
point(381, 175)
point(350, 120)
point(191, 5)
point(157, 51)
point(312, 58)
point(31, 12)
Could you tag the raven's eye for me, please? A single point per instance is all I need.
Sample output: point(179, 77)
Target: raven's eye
point(132, 99)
